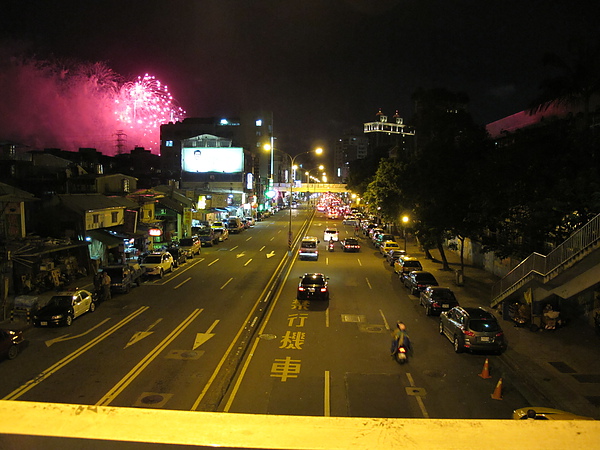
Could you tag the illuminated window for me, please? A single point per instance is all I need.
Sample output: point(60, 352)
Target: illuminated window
point(259, 122)
point(168, 143)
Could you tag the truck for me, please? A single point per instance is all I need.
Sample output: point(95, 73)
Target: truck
point(124, 276)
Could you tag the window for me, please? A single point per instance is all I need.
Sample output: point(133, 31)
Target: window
point(126, 185)
point(96, 218)
point(168, 143)
point(258, 122)
point(114, 216)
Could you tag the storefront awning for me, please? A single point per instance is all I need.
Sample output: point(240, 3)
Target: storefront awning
point(106, 238)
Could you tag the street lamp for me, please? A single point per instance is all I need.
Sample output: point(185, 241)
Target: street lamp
point(317, 151)
point(405, 220)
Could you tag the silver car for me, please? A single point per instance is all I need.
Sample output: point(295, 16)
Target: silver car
point(472, 329)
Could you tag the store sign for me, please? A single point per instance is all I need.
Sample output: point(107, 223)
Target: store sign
point(155, 232)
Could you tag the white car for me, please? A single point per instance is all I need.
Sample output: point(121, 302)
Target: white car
point(331, 234)
point(158, 264)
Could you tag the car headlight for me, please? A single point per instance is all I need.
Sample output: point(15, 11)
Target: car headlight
point(58, 316)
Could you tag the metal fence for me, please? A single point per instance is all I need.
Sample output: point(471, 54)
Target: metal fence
point(584, 238)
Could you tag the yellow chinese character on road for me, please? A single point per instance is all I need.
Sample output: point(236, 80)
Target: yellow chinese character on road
point(285, 368)
point(292, 319)
point(293, 340)
point(301, 304)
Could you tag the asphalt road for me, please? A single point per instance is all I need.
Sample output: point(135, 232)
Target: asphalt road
point(174, 343)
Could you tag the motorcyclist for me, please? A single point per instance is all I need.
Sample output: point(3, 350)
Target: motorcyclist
point(400, 337)
point(331, 245)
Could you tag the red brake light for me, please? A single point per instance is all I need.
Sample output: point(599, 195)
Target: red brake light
point(300, 288)
point(402, 350)
point(468, 333)
point(500, 333)
point(323, 289)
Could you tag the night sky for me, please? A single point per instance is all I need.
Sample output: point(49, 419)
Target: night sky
point(321, 66)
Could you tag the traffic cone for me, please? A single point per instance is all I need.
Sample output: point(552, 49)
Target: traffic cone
point(485, 373)
point(497, 395)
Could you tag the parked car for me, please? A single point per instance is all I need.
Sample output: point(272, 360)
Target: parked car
point(180, 254)
point(380, 238)
point(543, 413)
point(124, 276)
point(418, 280)
point(191, 245)
point(393, 255)
point(386, 246)
point(157, 264)
point(10, 343)
point(313, 285)
point(220, 230)
point(436, 299)
point(472, 329)
point(207, 237)
point(65, 306)
point(351, 245)
point(403, 266)
point(234, 225)
point(331, 234)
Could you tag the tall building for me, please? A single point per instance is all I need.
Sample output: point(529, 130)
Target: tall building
point(351, 146)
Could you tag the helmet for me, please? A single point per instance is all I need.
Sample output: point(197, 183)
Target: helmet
point(401, 326)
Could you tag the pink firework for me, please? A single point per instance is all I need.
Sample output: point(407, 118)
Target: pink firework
point(142, 106)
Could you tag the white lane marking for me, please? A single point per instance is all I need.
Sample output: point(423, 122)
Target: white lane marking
point(248, 262)
point(226, 283)
point(327, 396)
point(262, 248)
point(233, 248)
point(211, 263)
point(417, 397)
point(183, 282)
point(368, 284)
point(359, 263)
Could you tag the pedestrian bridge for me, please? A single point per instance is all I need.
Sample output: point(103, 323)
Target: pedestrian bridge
point(312, 187)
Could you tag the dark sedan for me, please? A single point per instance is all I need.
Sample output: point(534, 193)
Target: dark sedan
point(437, 299)
point(10, 341)
point(351, 245)
point(64, 307)
point(418, 280)
point(313, 285)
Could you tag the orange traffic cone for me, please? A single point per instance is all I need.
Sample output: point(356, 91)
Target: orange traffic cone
point(485, 373)
point(497, 395)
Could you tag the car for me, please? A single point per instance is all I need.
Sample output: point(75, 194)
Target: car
point(220, 230)
point(472, 329)
point(157, 264)
point(235, 225)
point(207, 237)
point(309, 248)
point(10, 343)
point(180, 254)
point(393, 255)
point(351, 245)
point(436, 299)
point(417, 280)
point(191, 244)
point(313, 285)
point(403, 266)
point(65, 306)
point(387, 246)
point(331, 234)
point(543, 413)
point(380, 238)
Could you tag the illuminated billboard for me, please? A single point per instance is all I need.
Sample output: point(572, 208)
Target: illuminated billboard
point(212, 159)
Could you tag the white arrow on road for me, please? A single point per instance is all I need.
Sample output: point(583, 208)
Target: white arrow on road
point(270, 255)
point(67, 337)
point(201, 338)
point(141, 334)
point(239, 255)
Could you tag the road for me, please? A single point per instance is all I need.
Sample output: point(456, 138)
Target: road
point(178, 342)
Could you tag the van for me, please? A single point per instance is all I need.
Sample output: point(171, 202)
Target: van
point(308, 248)
point(234, 225)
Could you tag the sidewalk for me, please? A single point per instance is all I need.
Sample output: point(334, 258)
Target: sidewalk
point(558, 368)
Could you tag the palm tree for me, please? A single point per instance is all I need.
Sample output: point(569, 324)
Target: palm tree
point(578, 81)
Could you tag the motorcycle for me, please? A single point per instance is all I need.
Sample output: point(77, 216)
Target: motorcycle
point(331, 246)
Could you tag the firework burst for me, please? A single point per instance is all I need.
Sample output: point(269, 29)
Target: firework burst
point(144, 105)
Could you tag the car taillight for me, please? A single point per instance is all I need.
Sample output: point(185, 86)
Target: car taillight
point(436, 304)
point(300, 288)
point(468, 333)
point(323, 289)
point(500, 334)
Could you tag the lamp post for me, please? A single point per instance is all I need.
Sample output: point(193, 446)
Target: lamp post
point(317, 151)
point(405, 220)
